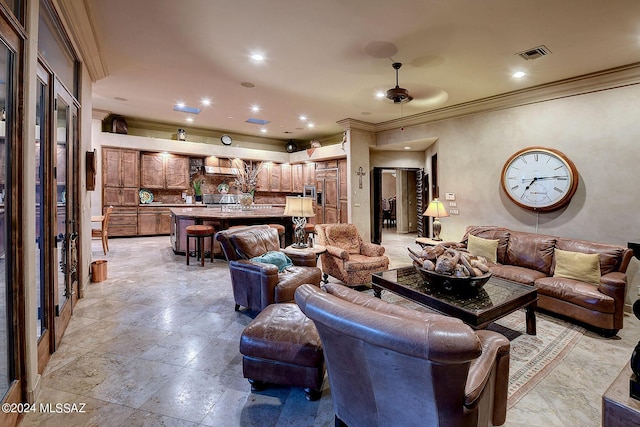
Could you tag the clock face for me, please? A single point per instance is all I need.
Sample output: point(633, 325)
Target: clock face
point(226, 139)
point(539, 179)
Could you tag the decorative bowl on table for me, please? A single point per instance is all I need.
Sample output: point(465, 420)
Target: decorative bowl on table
point(453, 283)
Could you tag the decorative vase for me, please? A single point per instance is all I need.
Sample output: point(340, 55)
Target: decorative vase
point(198, 197)
point(245, 200)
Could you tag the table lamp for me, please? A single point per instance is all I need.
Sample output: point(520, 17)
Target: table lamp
point(436, 210)
point(299, 208)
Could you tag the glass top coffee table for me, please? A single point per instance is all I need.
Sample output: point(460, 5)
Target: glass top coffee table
point(477, 309)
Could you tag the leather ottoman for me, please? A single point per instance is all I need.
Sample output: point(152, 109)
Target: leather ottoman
point(281, 346)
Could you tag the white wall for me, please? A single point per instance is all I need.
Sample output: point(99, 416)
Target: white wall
point(599, 132)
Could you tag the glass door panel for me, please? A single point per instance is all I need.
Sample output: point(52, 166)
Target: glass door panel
point(6, 110)
point(41, 321)
point(65, 152)
point(62, 234)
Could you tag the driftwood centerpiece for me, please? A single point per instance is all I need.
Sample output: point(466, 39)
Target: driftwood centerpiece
point(450, 266)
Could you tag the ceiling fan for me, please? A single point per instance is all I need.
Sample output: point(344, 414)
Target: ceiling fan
point(398, 95)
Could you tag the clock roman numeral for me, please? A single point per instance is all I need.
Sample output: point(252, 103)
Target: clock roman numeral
point(558, 190)
point(515, 187)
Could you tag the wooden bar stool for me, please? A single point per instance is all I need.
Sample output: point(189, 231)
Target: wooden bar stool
point(199, 232)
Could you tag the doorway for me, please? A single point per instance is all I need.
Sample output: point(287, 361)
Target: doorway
point(402, 187)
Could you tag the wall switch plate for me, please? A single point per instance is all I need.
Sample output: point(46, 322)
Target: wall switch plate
point(357, 205)
point(453, 211)
point(453, 204)
point(449, 196)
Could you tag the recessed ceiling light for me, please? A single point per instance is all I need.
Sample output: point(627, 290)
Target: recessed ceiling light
point(519, 74)
point(263, 130)
point(257, 57)
point(303, 118)
point(255, 108)
point(366, 113)
point(380, 95)
point(310, 125)
point(189, 119)
point(229, 117)
point(180, 104)
point(407, 148)
point(205, 101)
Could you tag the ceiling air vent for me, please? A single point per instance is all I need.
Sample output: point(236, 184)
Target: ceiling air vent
point(534, 53)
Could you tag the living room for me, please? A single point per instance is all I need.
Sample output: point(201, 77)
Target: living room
point(139, 59)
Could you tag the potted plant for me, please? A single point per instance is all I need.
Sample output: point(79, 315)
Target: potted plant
point(197, 189)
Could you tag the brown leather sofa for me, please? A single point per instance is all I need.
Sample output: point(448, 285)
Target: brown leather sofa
point(529, 258)
point(256, 284)
point(392, 366)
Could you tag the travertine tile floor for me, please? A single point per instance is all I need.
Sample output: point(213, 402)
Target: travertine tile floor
point(157, 344)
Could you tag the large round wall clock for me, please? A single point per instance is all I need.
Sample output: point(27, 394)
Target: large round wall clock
point(539, 179)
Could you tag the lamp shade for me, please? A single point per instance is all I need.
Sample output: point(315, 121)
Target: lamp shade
point(436, 209)
point(299, 207)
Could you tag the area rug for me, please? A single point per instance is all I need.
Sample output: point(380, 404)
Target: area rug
point(532, 356)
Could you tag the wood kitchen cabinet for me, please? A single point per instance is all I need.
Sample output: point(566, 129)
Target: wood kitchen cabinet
point(164, 171)
point(153, 220)
point(302, 174)
point(120, 167)
point(331, 188)
point(275, 177)
point(121, 184)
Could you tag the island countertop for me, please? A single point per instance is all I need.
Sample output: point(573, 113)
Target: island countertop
point(204, 213)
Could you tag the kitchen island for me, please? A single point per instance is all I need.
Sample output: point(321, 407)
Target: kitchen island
point(221, 218)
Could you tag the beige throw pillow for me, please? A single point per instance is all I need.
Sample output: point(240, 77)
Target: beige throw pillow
point(578, 266)
point(483, 247)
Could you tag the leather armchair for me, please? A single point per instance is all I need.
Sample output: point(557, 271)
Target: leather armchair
point(348, 258)
point(256, 284)
point(389, 365)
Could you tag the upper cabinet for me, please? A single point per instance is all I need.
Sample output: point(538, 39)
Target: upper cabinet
point(281, 177)
point(120, 167)
point(165, 171)
point(303, 174)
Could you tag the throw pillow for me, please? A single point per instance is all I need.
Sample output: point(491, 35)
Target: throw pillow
point(276, 258)
point(578, 266)
point(483, 247)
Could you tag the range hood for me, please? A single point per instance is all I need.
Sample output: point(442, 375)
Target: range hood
point(219, 170)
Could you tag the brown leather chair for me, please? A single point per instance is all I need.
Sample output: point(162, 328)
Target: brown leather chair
point(348, 258)
point(393, 366)
point(256, 284)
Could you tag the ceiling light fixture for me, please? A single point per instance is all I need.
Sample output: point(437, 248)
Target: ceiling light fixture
point(407, 148)
point(205, 101)
point(303, 118)
point(263, 130)
point(311, 125)
point(398, 94)
point(380, 94)
point(255, 108)
point(519, 74)
point(189, 119)
point(257, 57)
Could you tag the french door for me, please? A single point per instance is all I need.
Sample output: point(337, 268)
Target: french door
point(65, 177)
point(57, 213)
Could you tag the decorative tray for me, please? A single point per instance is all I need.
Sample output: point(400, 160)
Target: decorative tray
point(146, 196)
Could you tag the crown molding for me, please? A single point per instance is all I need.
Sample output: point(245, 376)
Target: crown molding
point(100, 114)
point(357, 124)
point(80, 22)
point(603, 80)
